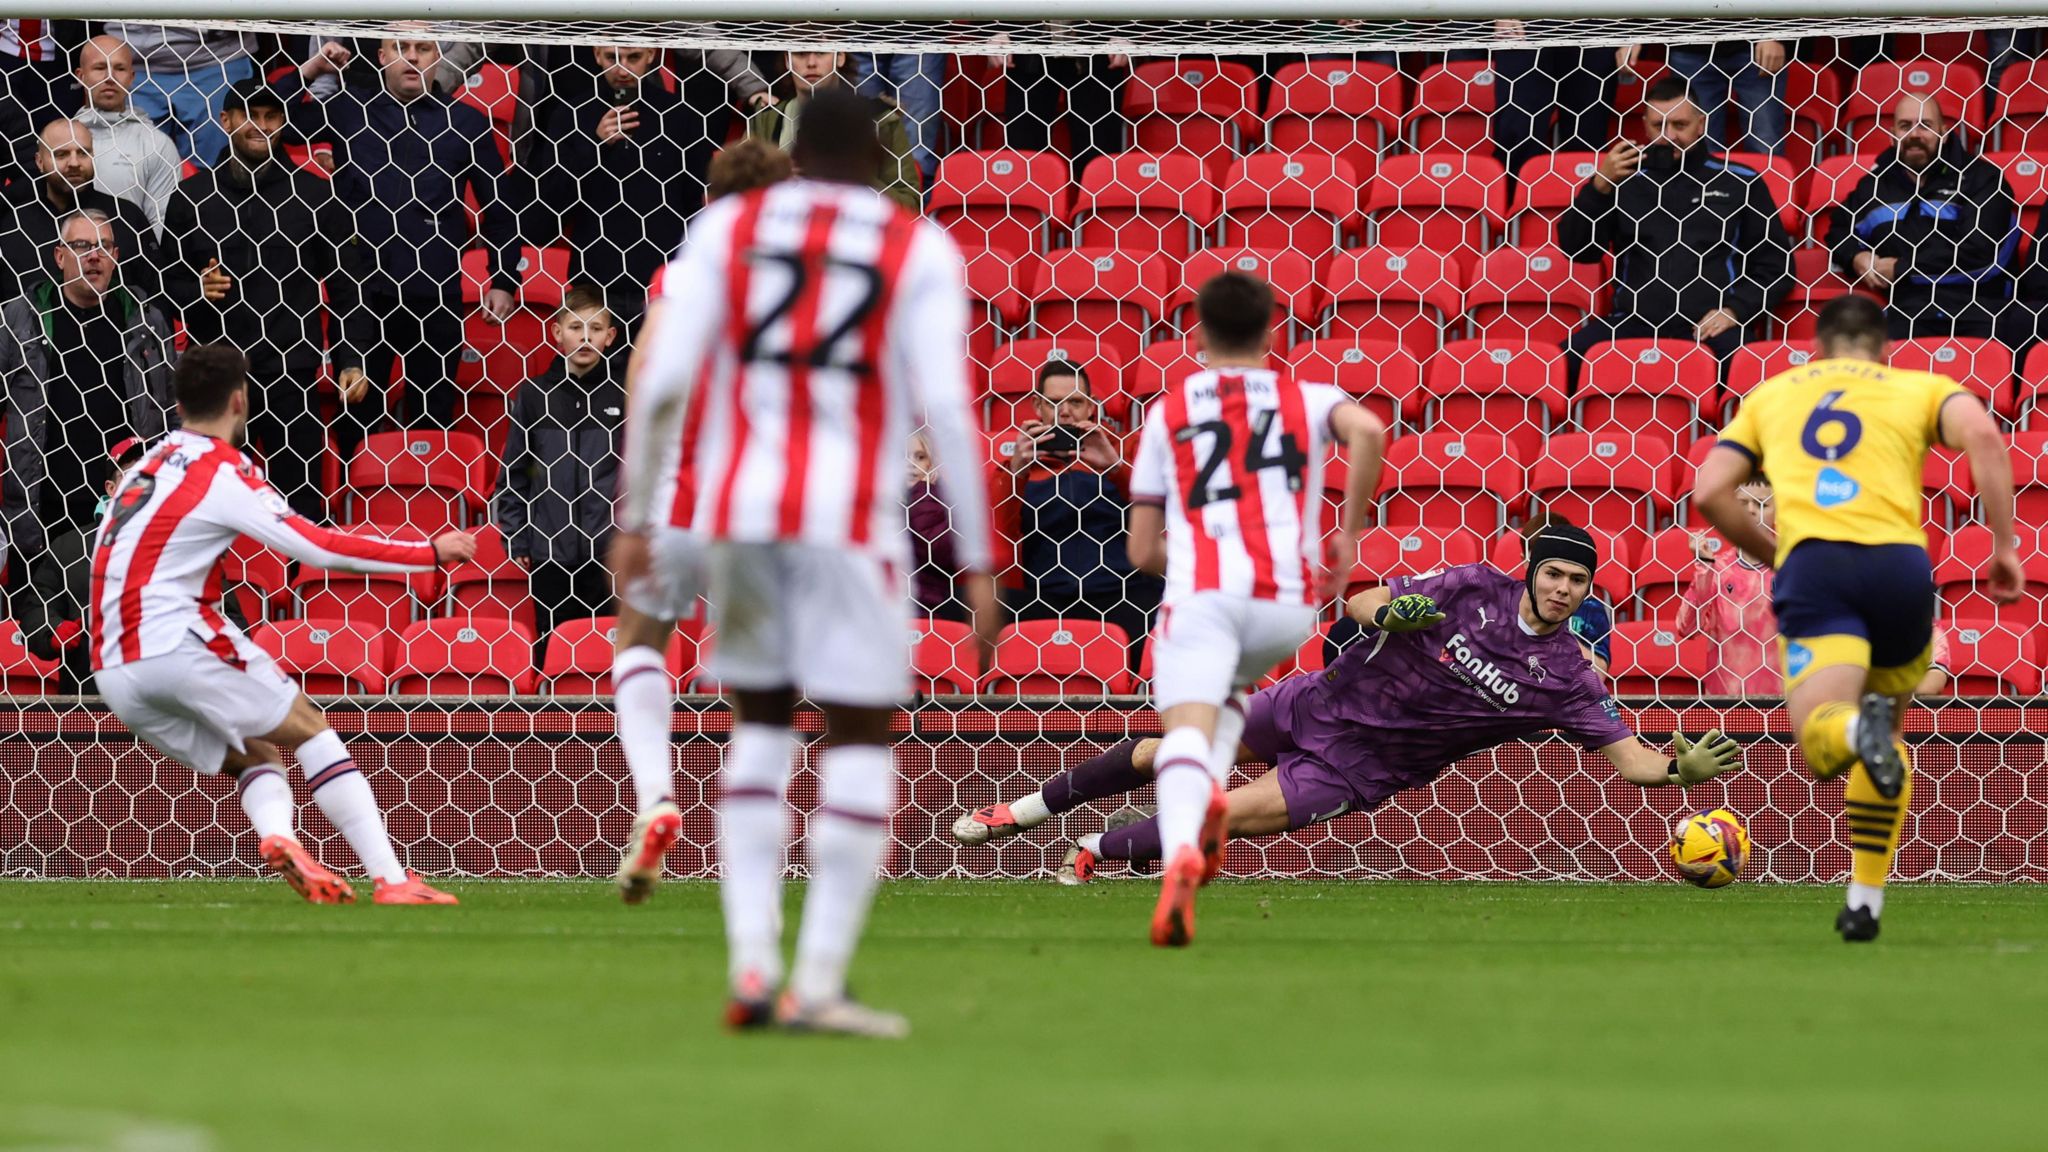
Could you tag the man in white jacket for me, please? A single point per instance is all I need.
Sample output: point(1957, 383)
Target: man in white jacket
point(133, 159)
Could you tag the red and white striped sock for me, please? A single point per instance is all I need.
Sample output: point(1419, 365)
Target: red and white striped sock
point(345, 797)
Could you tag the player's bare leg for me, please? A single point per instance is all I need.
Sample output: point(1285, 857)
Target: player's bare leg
point(643, 705)
point(1120, 768)
point(753, 832)
point(345, 797)
point(849, 836)
point(1843, 728)
point(258, 771)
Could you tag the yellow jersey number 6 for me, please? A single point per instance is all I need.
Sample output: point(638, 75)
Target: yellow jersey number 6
point(1825, 415)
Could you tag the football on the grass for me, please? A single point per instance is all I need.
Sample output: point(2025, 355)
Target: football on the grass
point(1709, 848)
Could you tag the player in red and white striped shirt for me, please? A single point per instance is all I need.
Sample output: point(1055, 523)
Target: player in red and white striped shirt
point(817, 321)
point(650, 607)
point(184, 678)
point(1229, 470)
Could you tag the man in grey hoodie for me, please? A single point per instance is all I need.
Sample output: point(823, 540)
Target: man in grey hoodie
point(181, 77)
point(132, 159)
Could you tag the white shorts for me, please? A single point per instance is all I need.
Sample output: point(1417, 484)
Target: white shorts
point(1212, 643)
point(193, 706)
point(832, 622)
point(675, 575)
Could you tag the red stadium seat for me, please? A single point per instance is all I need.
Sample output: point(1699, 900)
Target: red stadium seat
point(1982, 366)
point(2029, 457)
point(22, 672)
point(944, 659)
point(1614, 582)
point(382, 601)
point(1780, 180)
point(1756, 362)
point(257, 579)
point(1101, 294)
point(1610, 480)
point(2033, 385)
point(543, 277)
point(1665, 570)
point(577, 658)
point(2020, 123)
point(423, 480)
point(1013, 376)
point(1384, 553)
point(463, 657)
point(1449, 201)
point(1453, 108)
point(999, 200)
point(1535, 295)
point(1990, 658)
point(1813, 94)
point(1145, 202)
point(1814, 283)
point(1407, 295)
point(1447, 480)
point(1380, 374)
point(996, 282)
point(1306, 659)
point(1297, 286)
point(1344, 108)
point(2027, 173)
point(1647, 385)
point(1957, 88)
point(1515, 390)
point(327, 657)
point(489, 586)
point(1652, 660)
point(1167, 363)
point(1959, 576)
point(1544, 188)
point(1683, 472)
point(493, 89)
point(1206, 108)
point(1949, 492)
point(689, 654)
point(1828, 185)
point(1061, 657)
point(1305, 201)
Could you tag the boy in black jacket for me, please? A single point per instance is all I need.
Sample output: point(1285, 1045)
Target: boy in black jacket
point(554, 503)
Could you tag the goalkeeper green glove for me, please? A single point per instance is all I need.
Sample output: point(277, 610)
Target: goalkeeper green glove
point(1714, 753)
point(1410, 613)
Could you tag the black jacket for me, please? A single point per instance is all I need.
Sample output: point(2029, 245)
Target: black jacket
point(623, 206)
point(1953, 229)
point(1702, 236)
point(562, 450)
point(279, 236)
point(25, 247)
point(400, 171)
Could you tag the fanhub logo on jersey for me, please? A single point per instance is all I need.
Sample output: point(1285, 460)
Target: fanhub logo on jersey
point(1480, 672)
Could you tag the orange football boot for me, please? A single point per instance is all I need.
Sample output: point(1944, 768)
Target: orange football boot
point(1173, 921)
point(1215, 833)
point(289, 859)
point(413, 891)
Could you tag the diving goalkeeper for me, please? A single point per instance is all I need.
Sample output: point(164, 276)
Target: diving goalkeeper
point(1464, 660)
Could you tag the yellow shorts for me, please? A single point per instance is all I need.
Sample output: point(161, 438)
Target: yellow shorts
point(1803, 656)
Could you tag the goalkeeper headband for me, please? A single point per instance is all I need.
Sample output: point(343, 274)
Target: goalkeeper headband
point(1560, 542)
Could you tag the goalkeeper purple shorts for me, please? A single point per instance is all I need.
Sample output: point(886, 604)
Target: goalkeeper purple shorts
point(1325, 771)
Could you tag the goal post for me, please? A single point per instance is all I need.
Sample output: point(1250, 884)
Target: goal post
point(1410, 188)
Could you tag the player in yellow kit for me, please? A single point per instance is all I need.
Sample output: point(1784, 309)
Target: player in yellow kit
point(1843, 440)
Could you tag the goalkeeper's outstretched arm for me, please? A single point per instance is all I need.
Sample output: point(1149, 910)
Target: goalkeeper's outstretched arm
point(1688, 762)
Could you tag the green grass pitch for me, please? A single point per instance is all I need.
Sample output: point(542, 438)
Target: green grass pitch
point(225, 1015)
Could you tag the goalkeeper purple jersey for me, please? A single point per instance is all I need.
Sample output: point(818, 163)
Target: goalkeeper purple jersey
point(1401, 707)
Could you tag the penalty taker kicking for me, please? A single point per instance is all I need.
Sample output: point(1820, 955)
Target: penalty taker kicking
point(184, 678)
point(1452, 663)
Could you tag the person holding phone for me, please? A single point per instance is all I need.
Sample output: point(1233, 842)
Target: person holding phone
point(1061, 491)
point(1698, 247)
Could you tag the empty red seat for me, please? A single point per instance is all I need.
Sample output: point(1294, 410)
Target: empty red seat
point(2020, 121)
point(2027, 173)
point(423, 480)
point(1384, 553)
point(256, 579)
point(1304, 201)
point(577, 658)
point(1813, 96)
point(1535, 295)
point(1164, 365)
point(689, 654)
point(1756, 362)
point(1453, 108)
point(1779, 177)
point(1448, 480)
point(22, 672)
point(1665, 568)
point(1514, 390)
point(1101, 294)
point(1866, 114)
point(1650, 659)
point(1013, 376)
point(1814, 283)
point(1684, 470)
point(1061, 657)
point(1449, 201)
point(999, 200)
point(327, 657)
point(1949, 491)
point(1145, 202)
point(1206, 108)
point(1407, 295)
point(493, 89)
point(1609, 480)
point(1960, 577)
point(996, 282)
point(1648, 386)
point(1828, 185)
point(1345, 108)
point(1990, 658)
point(2033, 385)
point(489, 584)
point(944, 660)
point(1613, 582)
point(543, 277)
point(1380, 374)
point(2029, 457)
point(1982, 366)
point(1297, 287)
point(1544, 188)
point(463, 657)
point(383, 601)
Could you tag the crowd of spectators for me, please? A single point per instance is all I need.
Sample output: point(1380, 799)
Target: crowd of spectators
point(339, 211)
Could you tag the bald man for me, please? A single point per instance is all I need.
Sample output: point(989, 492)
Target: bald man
point(135, 160)
point(65, 160)
point(1932, 227)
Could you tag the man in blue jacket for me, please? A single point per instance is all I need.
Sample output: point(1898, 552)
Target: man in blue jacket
point(404, 155)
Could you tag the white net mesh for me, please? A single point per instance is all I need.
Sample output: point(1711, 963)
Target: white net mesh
point(1417, 193)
